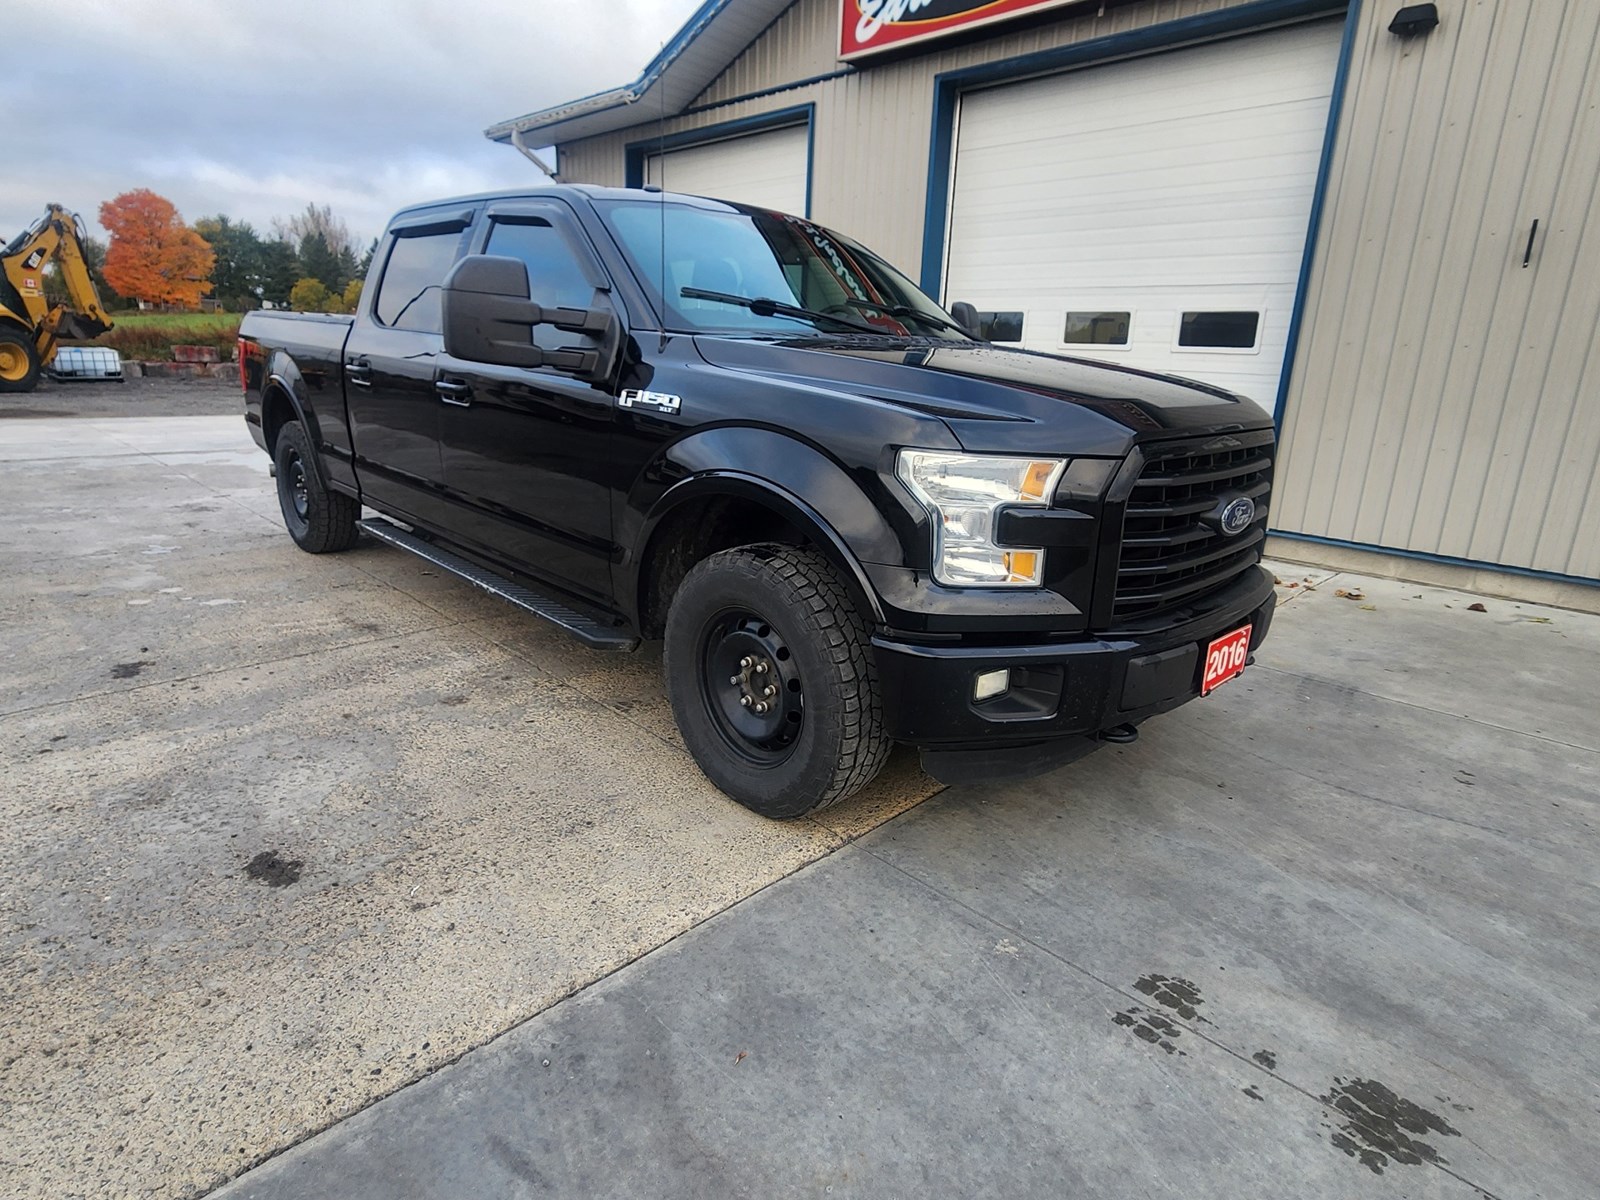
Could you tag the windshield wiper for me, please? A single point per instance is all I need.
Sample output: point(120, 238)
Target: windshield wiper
point(763, 307)
point(902, 311)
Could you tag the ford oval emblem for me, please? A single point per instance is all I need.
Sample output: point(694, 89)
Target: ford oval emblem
point(1238, 515)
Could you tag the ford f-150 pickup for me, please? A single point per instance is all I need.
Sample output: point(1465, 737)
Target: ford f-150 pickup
point(853, 522)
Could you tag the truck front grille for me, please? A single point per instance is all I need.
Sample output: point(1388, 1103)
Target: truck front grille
point(1172, 551)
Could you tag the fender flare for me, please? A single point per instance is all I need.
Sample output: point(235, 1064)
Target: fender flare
point(283, 376)
point(786, 475)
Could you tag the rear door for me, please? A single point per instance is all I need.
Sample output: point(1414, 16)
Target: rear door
point(527, 450)
point(389, 368)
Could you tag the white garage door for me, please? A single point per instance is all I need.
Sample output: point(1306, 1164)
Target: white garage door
point(1152, 212)
point(768, 169)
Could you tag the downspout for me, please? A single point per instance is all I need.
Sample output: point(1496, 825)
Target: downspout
point(523, 149)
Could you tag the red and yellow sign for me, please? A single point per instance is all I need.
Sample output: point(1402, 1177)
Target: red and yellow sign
point(873, 26)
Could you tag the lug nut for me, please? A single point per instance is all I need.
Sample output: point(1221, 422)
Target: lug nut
point(761, 708)
point(770, 690)
point(733, 679)
point(745, 700)
point(745, 662)
point(761, 668)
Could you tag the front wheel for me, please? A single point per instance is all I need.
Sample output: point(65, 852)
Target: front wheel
point(772, 682)
point(319, 520)
point(19, 362)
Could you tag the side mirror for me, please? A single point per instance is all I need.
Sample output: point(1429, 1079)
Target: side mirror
point(489, 318)
point(967, 317)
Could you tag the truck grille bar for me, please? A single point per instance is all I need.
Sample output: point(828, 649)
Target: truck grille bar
point(1172, 551)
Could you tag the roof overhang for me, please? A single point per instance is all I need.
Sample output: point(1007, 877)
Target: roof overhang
point(717, 33)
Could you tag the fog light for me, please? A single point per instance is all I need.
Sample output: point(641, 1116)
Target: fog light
point(991, 684)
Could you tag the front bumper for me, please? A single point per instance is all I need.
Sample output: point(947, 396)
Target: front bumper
point(1064, 694)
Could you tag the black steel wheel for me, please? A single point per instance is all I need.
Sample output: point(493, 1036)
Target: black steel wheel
point(319, 520)
point(751, 686)
point(771, 679)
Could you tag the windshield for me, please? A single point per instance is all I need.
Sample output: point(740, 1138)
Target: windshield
point(759, 255)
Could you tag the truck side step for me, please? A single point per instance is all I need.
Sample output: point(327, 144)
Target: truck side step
point(591, 631)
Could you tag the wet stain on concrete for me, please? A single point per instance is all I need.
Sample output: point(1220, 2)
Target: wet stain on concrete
point(1151, 1027)
point(128, 670)
point(272, 869)
point(1252, 1093)
point(1380, 1127)
point(1267, 1059)
point(1180, 995)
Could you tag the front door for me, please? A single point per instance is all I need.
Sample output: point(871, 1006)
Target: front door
point(527, 450)
point(389, 368)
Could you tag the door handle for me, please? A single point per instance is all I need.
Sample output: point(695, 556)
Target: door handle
point(359, 373)
point(453, 391)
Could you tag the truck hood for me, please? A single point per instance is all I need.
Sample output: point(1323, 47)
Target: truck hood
point(999, 400)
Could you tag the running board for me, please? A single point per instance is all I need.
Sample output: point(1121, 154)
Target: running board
point(589, 630)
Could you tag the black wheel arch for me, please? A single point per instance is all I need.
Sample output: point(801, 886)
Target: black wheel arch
point(718, 510)
point(281, 404)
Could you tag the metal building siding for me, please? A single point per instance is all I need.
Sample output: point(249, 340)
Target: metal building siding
point(870, 171)
point(1446, 400)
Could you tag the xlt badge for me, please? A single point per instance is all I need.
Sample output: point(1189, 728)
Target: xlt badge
point(664, 402)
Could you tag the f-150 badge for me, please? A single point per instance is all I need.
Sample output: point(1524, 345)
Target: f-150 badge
point(664, 402)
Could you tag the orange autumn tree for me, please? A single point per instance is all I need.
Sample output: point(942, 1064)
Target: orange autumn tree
point(154, 256)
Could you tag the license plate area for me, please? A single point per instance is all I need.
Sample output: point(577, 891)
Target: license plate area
point(1225, 657)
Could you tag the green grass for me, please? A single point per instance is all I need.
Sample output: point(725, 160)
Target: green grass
point(151, 336)
point(154, 320)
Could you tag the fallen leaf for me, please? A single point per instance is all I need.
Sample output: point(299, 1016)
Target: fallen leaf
point(1350, 594)
point(1369, 608)
point(1476, 608)
point(1538, 620)
point(1294, 585)
point(743, 1054)
point(1276, 582)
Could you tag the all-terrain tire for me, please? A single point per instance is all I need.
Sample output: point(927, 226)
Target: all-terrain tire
point(774, 625)
point(19, 361)
point(320, 521)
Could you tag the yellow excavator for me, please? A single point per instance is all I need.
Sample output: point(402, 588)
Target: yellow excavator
point(30, 326)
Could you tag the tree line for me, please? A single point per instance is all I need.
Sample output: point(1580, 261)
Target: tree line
point(308, 261)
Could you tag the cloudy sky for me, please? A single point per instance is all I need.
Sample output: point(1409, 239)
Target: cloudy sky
point(255, 108)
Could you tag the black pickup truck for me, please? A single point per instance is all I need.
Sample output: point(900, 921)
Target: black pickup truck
point(642, 415)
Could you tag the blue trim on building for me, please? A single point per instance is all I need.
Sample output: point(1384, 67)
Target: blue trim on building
point(1477, 564)
point(948, 85)
point(1341, 77)
point(635, 153)
point(771, 91)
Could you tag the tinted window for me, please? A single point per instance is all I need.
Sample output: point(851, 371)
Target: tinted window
point(755, 254)
point(1097, 328)
point(554, 276)
point(1000, 326)
point(1219, 330)
point(408, 297)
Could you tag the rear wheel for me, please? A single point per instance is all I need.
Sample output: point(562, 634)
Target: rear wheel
point(772, 682)
point(19, 362)
point(320, 521)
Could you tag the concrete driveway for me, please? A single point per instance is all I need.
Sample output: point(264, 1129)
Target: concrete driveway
point(286, 834)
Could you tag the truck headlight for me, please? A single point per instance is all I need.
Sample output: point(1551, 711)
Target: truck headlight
point(964, 493)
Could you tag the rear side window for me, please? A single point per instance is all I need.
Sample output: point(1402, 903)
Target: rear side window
point(554, 277)
point(408, 297)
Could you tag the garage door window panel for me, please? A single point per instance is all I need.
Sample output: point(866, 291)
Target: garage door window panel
point(1000, 326)
point(1219, 330)
point(1105, 330)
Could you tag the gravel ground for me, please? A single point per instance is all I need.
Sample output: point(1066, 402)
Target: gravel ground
point(133, 398)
